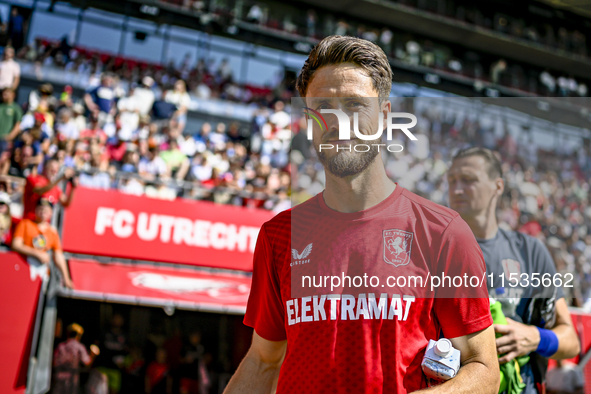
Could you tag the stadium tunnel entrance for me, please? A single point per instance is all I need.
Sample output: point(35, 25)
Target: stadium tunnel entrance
point(128, 350)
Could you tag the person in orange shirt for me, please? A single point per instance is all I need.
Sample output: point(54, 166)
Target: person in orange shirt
point(37, 238)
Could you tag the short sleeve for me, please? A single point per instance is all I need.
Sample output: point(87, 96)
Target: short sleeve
point(265, 312)
point(20, 230)
point(464, 309)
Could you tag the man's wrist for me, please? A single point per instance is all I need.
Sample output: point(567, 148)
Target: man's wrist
point(535, 337)
point(548, 344)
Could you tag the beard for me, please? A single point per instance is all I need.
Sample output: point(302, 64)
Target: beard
point(345, 163)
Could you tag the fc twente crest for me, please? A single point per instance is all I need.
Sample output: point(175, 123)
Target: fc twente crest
point(397, 247)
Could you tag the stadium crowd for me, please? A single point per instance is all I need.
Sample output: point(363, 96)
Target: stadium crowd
point(308, 22)
point(414, 50)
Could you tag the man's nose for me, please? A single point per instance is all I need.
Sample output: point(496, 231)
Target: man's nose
point(456, 187)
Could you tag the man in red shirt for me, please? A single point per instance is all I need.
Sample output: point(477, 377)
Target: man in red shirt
point(47, 186)
point(369, 339)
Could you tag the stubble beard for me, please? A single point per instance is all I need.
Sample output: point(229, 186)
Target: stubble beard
point(346, 163)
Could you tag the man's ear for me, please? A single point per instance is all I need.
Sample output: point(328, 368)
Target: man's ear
point(500, 184)
point(386, 108)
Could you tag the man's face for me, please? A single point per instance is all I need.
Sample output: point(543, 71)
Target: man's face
point(43, 213)
point(107, 81)
point(51, 170)
point(471, 190)
point(348, 88)
point(8, 96)
point(8, 53)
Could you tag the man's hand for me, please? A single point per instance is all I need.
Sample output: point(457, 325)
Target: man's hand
point(480, 369)
point(518, 340)
point(43, 257)
point(68, 173)
point(68, 284)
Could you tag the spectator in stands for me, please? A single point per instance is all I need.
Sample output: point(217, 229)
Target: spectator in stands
point(116, 149)
point(47, 186)
point(35, 238)
point(67, 359)
point(10, 71)
point(114, 350)
point(255, 14)
point(224, 73)
point(16, 29)
point(175, 159)
point(100, 101)
point(144, 96)
point(158, 378)
point(44, 91)
point(181, 99)
point(99, 179)
point(152, 166)
point(5, 220)
point(194, 376)
point(10, 118)
point(66, 126)
point(94, 132)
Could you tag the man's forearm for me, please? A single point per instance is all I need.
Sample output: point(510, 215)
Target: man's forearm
point(473, 377)
point(24, 249)
point(60, 263)
point(46, 188)
point(568, 342)
point(253, 376)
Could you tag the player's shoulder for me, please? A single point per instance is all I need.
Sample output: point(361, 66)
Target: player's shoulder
point(522, 240)
point(279, 226)
point(434, 211)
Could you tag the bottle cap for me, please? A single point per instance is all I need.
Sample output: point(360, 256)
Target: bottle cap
point(500, 290)
point(443, 348)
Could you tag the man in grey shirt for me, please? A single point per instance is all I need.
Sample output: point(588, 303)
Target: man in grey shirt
point(520, 271)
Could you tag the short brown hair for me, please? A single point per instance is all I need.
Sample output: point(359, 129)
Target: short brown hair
point(344, 49)
point(490, 158)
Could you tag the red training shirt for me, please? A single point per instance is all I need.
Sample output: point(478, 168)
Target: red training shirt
point(363, 340)
point(31, 198)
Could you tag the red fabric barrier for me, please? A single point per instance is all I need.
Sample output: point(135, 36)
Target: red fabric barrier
point(151, 285)
point(110, 223)
point(18, 304)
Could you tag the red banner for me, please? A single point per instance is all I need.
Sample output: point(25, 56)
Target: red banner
point(144, 284)
point(110, 223)
point(19, 294)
